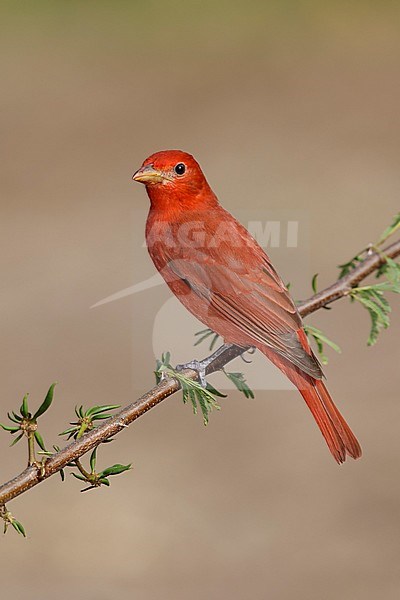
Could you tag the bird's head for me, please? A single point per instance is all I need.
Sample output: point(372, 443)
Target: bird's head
point(174, 176)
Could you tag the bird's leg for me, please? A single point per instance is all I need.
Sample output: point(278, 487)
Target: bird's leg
point(201, 365)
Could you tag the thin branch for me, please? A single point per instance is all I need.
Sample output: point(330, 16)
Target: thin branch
point(34, 474)
point(342, 287)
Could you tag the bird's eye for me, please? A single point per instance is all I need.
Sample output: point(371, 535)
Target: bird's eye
point(180, 168)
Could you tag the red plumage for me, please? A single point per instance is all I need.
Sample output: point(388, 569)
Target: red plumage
point(221, 275)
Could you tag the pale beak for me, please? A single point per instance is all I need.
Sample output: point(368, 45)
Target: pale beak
point(148, 175)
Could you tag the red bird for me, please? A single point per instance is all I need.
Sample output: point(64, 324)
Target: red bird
point(222, 276)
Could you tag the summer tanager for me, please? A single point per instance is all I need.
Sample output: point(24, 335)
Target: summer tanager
point(221, 275)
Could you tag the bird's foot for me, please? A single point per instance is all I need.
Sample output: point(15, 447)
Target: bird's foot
point(196, 365)
point(201, 365)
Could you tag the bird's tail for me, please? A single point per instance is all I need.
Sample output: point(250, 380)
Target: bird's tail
point(338, 435)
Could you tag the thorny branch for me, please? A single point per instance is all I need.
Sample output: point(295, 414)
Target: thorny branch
point(33, 474)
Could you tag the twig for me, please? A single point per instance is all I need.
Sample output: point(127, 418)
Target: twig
point(33, 475)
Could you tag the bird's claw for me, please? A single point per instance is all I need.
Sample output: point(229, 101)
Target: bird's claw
point(250, 350)
point(198, 366)
point(164, 375)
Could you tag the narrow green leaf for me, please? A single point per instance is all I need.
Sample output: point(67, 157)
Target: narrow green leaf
point(17, 439)
point(206, 331)
point(345, 268)
point(317, 334)
point(165, 358)
point(24, 407)
point(374, 307)
point(393, 227)
point(13, 418)
point(213, 342)
point(104, 481)
point(101, 409)
point(93, 460)
point(69, 430)
point(18, 527)
point(114, 470)
point(11, 429)
point(204, 334)
point(205, 409)
point(371, 297)
point(374, 331)
point(214, 392)
point(314, 283)
point(189, 392)
point(100, 417)
point(239, 381)
point(39, 441)
point(203, 337)
point(46, 402)
point(79, 476)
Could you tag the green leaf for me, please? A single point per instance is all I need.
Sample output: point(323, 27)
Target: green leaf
point(114, 470)
point(46, 402)
point(17, 439)
point(393, 227)
point(100, 417)
point(18, 527)
point(318, 334)
point(24, 407)
point(391, 270)
point(372, 298)
point(39, 441)
point(204, 334)
point(374, 331)
point(314, 283)
point(93, 460)
point(14, 417)
point(11, 429)
point(345, 268)
point(239, 381)
point(203, 406)
point(95, 410)
point(166, 358)
point(69, 430)
point(104, 481)
point(321, 339)
point(210, 388)
point(189, 393)
point(370, 303)
point(78, 476)
point(191, 389)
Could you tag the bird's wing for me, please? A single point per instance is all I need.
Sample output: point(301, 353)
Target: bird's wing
point(244, 289)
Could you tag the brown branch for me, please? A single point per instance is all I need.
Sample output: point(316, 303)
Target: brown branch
point(33, 475)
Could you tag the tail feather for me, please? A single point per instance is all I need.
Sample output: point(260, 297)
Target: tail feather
point(338, 435)
point(340, 439)
point(349, 439)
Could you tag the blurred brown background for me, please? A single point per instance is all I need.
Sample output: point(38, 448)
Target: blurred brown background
point(291, 105)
